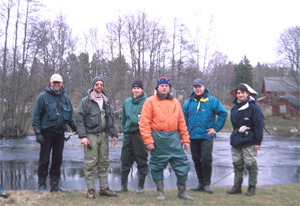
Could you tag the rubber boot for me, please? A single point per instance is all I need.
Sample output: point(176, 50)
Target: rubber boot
point(54, 187)
point(182, 191)
point(208, 189)
point(199, 187)
point(124, 182)
point(41, 185)
point(141, 185)
point(160, 191)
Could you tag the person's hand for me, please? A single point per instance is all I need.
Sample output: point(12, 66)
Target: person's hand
point(150, 146)
point(115, 140)
point(40, 138)
point(211, 131)
point(186, 146)
point(84, 141)
point(256, 147)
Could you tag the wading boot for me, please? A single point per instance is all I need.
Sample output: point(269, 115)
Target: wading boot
point(141, 185)
point(41, 185)
point(208, 189)
point(182, 191)
point(124, 182)
point(90, 194)
point(199, 187)
point(107, 192)
point(160, 191)
point(250, 191)
point(54, 187)
point(235, 190)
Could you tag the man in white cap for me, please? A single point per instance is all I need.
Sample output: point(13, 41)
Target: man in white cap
point(51, 115)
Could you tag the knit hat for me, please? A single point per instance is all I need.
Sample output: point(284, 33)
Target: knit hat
point(97, 79)
point(137, 83)
point(163, 80)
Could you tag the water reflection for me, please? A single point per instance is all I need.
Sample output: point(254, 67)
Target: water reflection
point(19, 162)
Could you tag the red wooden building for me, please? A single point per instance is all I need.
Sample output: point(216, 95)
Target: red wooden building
point(276, 87)
point(286, 106)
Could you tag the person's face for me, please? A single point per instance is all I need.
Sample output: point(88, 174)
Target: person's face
point(198, 89)
point(56, 85)
point(163, 89)
point(137, 91)
point(241, 96)
point(98, 86)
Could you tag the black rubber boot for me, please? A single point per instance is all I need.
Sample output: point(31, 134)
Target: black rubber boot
point(54, 185)
point(160, 191)
point(235, 190)
point(250, 191)
point(141, 185)
point(41, 185)
point(124, 182)
point(182, 191)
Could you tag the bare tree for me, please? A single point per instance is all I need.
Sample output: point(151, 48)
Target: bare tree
point(289, 49)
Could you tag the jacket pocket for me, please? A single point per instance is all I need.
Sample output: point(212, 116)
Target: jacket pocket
point(67, 112)
point(93, 119)
point(52, 112)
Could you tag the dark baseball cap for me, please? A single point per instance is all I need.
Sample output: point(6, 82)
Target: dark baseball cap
point(198, 82)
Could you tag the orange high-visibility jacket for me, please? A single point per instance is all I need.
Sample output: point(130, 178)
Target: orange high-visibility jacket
point(162, 115)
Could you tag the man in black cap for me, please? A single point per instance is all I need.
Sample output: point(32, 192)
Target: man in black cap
point(95, 122)
point(133, 148)
point(200, 112)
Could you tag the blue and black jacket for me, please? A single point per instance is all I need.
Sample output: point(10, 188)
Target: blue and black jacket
point(249, 114)
point(201, 115)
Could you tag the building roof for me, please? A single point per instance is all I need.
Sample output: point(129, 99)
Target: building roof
point(282, 84)
point(293, 100)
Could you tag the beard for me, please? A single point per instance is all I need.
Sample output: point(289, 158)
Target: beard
point(98, 91)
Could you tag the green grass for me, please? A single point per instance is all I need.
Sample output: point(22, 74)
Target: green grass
point(287, 194)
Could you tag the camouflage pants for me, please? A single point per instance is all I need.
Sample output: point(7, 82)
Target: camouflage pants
point(96, 159)
point(244, 156)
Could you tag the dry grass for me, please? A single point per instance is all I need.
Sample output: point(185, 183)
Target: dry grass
point(287, 194)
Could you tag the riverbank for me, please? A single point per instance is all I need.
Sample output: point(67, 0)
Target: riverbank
point(287, 194)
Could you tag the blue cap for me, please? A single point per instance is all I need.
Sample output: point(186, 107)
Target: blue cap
point(198, 82)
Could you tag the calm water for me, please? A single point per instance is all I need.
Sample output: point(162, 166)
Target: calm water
point(278, 162)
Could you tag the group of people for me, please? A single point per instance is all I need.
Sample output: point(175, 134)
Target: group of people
point(157, 124)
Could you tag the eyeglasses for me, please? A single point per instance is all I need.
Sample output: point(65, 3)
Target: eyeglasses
point(99, 85)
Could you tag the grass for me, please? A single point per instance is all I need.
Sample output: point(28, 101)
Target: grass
point(287, 194)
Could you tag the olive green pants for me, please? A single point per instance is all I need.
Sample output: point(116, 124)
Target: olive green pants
point(96, 159)
point(244, 156)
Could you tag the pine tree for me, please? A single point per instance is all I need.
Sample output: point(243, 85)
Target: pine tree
point(243, 72)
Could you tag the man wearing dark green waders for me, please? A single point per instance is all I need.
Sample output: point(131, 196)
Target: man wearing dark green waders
point(133, 148)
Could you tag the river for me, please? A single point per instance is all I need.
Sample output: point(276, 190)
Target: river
point(278, 163)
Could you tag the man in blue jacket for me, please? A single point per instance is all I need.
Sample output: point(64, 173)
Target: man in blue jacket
point(200, 112)
point(248, 123)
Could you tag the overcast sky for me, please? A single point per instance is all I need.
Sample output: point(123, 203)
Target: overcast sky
point(242, 27)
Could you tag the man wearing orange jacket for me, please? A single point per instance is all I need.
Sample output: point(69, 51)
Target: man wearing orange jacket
point(163, 128)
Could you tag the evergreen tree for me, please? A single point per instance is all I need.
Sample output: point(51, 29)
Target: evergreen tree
point(243, 72)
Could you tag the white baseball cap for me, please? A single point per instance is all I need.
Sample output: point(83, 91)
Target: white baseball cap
point(56, 78)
